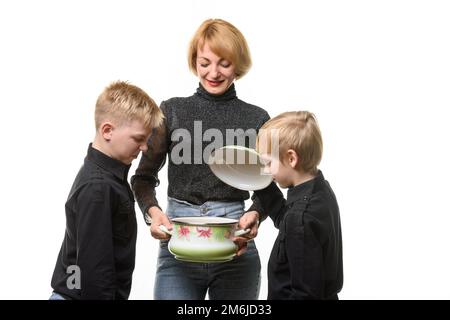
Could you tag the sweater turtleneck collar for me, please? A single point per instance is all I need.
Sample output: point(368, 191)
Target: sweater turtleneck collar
point(229, 94)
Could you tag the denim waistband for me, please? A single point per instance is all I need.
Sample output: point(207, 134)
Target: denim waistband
point(181, 208)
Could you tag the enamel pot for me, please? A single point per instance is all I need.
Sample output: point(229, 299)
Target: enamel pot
point(203, 239)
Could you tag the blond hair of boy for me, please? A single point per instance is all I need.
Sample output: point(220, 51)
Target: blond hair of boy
point(124, 118)
point(293, 132)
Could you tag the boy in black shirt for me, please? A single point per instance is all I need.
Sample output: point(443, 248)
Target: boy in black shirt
point(306, 260)
point(97, 256)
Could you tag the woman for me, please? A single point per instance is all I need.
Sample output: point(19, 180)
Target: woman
point(218, 55)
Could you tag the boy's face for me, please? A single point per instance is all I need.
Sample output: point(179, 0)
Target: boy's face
point(128, 140)
point(281, 172)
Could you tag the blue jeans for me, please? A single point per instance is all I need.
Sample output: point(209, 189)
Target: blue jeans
point(56, 296)
point(238, 279)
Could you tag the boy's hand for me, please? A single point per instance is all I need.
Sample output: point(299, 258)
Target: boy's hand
point(249, 220)
point(159, 218)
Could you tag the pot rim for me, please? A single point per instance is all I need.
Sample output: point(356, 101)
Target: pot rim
point(205, 221)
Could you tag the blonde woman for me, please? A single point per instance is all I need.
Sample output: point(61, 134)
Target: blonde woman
point(218, 55)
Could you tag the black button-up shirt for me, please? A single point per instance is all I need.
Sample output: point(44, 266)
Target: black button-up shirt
point(306, 260)
point(101, 229)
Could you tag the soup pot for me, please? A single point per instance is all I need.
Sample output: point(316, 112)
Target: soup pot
point(203, 239)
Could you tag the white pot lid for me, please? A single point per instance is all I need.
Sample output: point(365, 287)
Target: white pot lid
point(239, 167)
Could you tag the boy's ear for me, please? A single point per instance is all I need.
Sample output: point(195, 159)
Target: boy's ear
point(293, 158)
point(106, 130)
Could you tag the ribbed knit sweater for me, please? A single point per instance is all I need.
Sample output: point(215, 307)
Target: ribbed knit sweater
point(194, 126)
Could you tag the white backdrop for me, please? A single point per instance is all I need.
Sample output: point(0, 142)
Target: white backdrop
point(376, 74)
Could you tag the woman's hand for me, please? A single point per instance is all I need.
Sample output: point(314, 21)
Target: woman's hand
point(159, 218)
point(249, 220)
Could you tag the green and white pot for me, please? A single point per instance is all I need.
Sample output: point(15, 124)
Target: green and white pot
point(203, 239)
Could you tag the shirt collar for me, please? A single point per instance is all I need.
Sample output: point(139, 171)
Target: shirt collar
point(117, 168)
point(303, 191)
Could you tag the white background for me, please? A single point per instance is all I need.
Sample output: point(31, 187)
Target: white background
point(376, 74)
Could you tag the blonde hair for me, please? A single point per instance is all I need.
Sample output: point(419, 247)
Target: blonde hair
point(296, 130)
point(123, 102)
point(225, 40)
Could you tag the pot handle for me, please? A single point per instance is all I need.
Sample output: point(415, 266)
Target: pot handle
point(164, 229)
point(241, 232)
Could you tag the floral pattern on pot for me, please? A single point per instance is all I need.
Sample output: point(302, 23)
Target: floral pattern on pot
point(183, 231)
point(217, 233)
point(204, 232)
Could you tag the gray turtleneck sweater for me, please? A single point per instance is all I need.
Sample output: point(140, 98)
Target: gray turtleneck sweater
point(194, 126)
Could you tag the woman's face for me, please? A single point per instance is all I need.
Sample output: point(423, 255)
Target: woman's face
point(215, 73)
